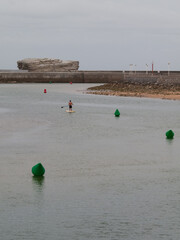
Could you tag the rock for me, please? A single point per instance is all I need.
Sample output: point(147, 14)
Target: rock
point(47, 65)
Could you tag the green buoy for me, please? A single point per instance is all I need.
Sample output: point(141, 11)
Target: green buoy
point(38, 170)
point(170, 134)
point(117, 113)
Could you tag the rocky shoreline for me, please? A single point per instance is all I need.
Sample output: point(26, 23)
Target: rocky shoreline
point(149, 90)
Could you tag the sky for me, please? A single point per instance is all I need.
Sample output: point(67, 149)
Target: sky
point(100, 34)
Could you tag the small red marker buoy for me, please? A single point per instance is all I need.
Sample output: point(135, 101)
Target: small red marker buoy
point(45, 91)
point(70, 82)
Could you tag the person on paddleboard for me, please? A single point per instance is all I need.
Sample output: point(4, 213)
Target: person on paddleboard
point(70, 105)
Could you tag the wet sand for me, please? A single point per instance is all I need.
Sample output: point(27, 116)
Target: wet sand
point(171, 92)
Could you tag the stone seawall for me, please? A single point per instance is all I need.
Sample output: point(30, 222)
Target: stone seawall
point(61, 77)
point(10, 76)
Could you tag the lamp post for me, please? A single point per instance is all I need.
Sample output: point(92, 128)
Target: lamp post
point(169, 68)
point(146, 68)
point(130, 67)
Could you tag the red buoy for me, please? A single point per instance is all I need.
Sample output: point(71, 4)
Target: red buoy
point(45, 91)
point(70, 82)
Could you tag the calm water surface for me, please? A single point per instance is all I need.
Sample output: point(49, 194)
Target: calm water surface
point(106, 177)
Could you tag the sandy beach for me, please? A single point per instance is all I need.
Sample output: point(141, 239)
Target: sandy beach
point(171, 92)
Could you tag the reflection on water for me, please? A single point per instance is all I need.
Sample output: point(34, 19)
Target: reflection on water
point(38, 193)
point(38, 183)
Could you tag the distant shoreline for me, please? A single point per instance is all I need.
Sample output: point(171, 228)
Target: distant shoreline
point(137, 90)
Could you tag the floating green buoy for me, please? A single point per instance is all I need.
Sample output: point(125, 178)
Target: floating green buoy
point(38, 170)
point(117, 113)
point(170, 134)
point(50, 82)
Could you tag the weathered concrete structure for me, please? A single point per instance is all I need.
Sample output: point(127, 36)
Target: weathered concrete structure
point(164, 77)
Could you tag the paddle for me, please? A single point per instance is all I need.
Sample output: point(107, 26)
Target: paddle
point(64, 106)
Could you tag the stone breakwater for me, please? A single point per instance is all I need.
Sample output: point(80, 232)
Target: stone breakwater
point(141, 77)
point(60, 77)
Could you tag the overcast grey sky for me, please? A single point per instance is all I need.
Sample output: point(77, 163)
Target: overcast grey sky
point(101, 34)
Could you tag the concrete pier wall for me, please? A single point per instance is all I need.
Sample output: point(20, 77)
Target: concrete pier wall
point(10, 76)
point(61, 77)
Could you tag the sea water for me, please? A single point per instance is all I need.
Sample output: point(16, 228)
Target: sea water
point(106, 177)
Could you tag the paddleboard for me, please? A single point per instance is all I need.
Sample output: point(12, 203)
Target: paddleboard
point(70, 111)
